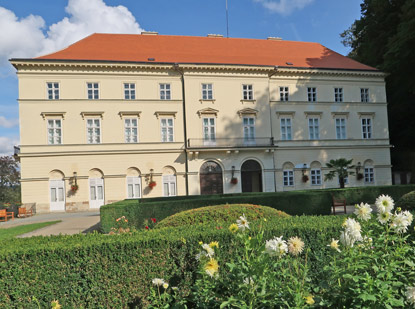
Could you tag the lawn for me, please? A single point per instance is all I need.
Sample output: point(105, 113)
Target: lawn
point(6, 234)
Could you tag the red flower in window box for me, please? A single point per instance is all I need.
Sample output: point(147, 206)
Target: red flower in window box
point(74, 188)
point(152, 184)
point(305, 178)
point(234, 180)
point(359, 176)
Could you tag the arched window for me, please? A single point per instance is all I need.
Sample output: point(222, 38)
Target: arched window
point(96, 188)
point(169, 181)
point(369, 172)
point(315, 173)
point(57, 190)
point(211, 181)
point(133, 183)
point(251, 174)
point(288, 174)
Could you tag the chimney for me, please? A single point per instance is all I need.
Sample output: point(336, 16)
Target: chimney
point(149, 33)
point(273, 38)
point(215, 35)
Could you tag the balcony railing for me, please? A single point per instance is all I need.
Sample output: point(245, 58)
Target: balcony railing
point(230, 142)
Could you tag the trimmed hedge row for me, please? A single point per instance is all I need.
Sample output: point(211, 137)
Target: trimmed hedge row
point(311, 202)
point(102, 271)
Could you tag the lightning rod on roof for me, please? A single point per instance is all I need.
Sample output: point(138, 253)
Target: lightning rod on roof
point(227, 21)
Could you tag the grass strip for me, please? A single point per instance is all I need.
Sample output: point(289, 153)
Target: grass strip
point(11, 232)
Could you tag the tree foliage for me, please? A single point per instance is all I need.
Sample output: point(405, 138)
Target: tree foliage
point(340, 168)
point(384, 37)
point(9, 179)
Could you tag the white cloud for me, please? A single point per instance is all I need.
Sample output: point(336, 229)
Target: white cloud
point(25, 37)
point(8, 123)
point(284, 7)
point(7, 145)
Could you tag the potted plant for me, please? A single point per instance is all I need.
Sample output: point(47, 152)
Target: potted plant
point(359, 176)
point(152, 184)
point(74, 188)
point(305, 178)
point(234, 180)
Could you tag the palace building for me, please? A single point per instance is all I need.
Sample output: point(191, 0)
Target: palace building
point(118, 116)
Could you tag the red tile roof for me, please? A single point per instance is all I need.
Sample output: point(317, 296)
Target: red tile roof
point(207, 50)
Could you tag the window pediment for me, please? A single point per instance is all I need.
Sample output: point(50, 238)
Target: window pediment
point(53, 114)
point(129, 113)
point(285, 113)
point(340, 114)
point(162, 113)
point(207, 111)
point(92, 114)
point(366, 114)
point(247, 111)
point(313, 113)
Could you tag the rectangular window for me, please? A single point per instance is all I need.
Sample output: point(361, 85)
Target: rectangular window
point(53, 91)
point(247, 92)
point(312, 94)
point(284, 94)
point(207, 91)
point(169, 185)
point(364, 95)
point(165, 93)
point(249, 129)
point(315, 177)
point(167, 129)
point(131, 130)
point(367, 128)
point(313, 128)
point(93, 131)
point(338, 94)
point(93, 91)
point(341, 128)
point(209, 130)
point(54, 131)
point(129, 91)
point(133, 187)
point(369, 175)
point(288, 178)
point(286, 129)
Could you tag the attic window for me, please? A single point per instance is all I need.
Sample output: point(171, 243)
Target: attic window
point(289, 63)
point(151, 59)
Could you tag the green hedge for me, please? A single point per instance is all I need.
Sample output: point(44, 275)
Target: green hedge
point(102, 271)
point(311, 202)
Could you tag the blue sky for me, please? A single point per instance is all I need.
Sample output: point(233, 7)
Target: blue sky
point(38, 27)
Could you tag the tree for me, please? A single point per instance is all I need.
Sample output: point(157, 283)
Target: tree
point(340, 167)
point(384, 37)
point(9, 180)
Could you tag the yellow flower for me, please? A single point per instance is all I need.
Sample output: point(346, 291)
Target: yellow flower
point(55, 304)
point(399, 209)
point(249, 237)
point(211, 267)
point(165, 285)
point(334, 244)
point(200, 242)
point(214, 244)
point(265, 219)
point(233, 228)
point(309, 300)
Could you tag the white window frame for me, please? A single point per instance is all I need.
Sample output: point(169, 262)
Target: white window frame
point(165, 91)
point(58, 202)
point(286, 135)
point(96, 183)
point(248, 129)
point(364, 95)
point(93, 131)
point(341, 129)
point(53, 90)
point(133, 181)
point(314, 128)
point(94, 90)
point(367, 129)
point(168, 139)
point(248, 92)
point(288, 178)
point(338, 94)
point(284, 93)
point(130, 128)
point(369, 174)
point(207, 91)
point(210, 139)
point(315, 175)
point(312, 94)
point(55, 136)
point(129, 91)
point(171, 181)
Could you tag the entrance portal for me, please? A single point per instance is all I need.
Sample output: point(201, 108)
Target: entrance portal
point(211, 181)
point(251, 174)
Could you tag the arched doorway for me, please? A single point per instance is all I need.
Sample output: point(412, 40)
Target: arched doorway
point(57, 190)
point(251, 174)
point(211, 181)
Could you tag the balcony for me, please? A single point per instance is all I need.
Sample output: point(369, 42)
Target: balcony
point(222, 143)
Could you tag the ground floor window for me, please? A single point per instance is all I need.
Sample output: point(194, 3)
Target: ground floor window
point(288, 178)
point(315, 177)
point(133, 187)
point(369, 175)
point(169, 185)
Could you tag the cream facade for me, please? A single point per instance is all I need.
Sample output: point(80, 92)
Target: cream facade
point(192, 129)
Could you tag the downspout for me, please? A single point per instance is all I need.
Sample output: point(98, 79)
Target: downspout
point(270, 121)
point(186, 165)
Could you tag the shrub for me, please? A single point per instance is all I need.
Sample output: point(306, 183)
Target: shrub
point(407, 201)
point(96, 270)
point(220, 214)
point(311, 202)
